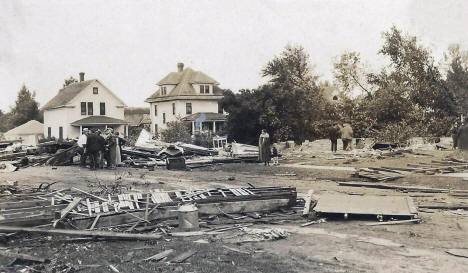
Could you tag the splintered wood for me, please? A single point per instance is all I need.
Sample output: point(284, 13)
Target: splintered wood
point(85, 210)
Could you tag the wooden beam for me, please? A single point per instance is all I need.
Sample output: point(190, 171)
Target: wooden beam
point(308, 201)
point(393, 222)
point(102, 234)
point(22, 256)
point(76, 201)
point(160, 256)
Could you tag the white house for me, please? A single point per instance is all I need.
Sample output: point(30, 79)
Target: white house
point(29, 133)
point(189, 95)
point(84, 104)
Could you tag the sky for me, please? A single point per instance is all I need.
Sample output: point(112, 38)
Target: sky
point(130, 45)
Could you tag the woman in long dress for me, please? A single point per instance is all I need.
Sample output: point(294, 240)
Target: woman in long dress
point(264, 153)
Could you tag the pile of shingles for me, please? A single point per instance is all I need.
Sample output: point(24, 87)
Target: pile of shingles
point(78, 209)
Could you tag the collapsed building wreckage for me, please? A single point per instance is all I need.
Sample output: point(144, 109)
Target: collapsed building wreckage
point(146, 153)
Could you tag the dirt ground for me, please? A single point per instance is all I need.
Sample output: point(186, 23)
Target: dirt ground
point(337, 245)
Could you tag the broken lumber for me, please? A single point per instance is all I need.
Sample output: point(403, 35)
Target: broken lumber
point(183, 256)
point(21, 256)
point(393, 187)
point(393, 222)
point(449, 207)
point(70, 207)
point(308, 201)
point(160, 256)
point(101, 234)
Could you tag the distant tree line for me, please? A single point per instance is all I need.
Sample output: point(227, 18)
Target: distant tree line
point(411, 95)
point(26, 108)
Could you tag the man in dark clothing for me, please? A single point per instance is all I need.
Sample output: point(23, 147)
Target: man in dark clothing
point(462, 137)
point(334, 134)
point(94, 144)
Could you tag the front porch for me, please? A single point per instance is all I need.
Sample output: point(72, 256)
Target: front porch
point(206, 122)
point(101, 123)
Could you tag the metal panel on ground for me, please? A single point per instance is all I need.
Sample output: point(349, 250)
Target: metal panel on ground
point(369, 205)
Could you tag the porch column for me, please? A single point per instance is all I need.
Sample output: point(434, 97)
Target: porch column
point(214, 126)
point(193, 127)
point(81, 130)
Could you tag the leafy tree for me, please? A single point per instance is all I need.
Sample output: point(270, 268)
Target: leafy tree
point(26, 107)
point(69, 81)
point(349, 73)
point(457, 77)
point(176, 131)
point(286, 106)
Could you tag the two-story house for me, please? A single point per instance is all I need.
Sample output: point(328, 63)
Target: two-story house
point(84, 104)
point(189, 95)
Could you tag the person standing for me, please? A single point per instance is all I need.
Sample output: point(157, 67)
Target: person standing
point(454, 130)
point(82, 147)
point(334, 134)
point(93, 147)
point(347, 136)
point(112, 145)
point(264, 152)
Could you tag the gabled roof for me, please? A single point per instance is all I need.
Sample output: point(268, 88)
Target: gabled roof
point(98, 120)
point(183, 81)
point(134, 116)
point(32, 127)
point(205, 116)
point(65, 95)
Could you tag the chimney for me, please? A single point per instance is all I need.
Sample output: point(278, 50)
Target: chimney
point(180, 67)
point(81, 76)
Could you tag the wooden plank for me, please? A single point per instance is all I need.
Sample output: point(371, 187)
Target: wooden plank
point(64, 212)
point(89, 207)
point(95, 222)
point(393, 222)
point(160, 256)
point(449, 207)
point(183, 256)
point(22, 256)
point(69, 232)
point(308, 201)
point(24, 204)
point(394, 187)
point(168, 212)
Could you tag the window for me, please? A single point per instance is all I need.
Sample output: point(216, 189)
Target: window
point(163, 90)
point(155, 129)
point(60, 132)
point(204, 89)
point(173, 108)
point(49, 132)
point(155, 110)
point(188, 108)
point(102, 108)
point(90, 108)
point(220, 108)
point(164, 117)
point(95, 90)
point(83, 108)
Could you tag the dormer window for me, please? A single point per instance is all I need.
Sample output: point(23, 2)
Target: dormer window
point(163, 90)
point(95, 91)
point(204, 89)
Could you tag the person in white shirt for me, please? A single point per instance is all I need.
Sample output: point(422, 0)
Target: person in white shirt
point(82, 147)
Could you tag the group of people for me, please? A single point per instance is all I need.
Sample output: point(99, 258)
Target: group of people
point(344, 132)
point(99, 147)
point(266, 153)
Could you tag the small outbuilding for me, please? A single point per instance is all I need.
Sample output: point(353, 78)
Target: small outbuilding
point(29, 133)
